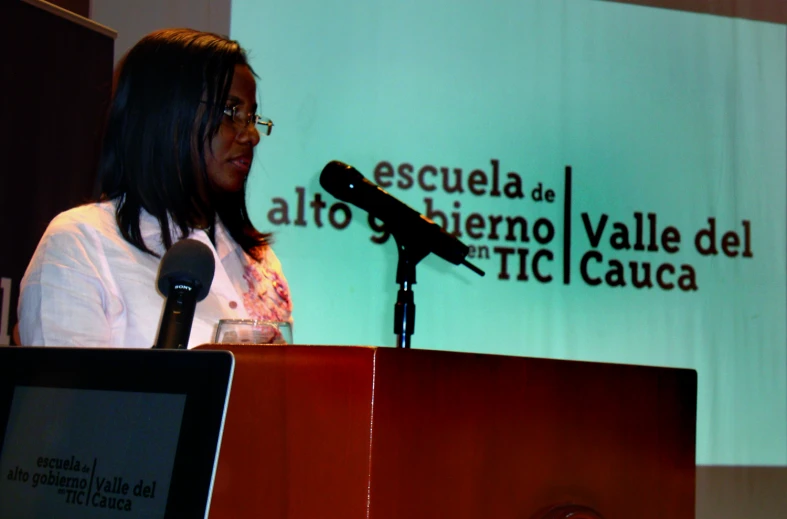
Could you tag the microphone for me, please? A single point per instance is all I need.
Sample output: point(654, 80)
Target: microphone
point(185, 275)
point(347, 184)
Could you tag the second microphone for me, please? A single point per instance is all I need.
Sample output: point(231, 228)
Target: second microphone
point(405, 223)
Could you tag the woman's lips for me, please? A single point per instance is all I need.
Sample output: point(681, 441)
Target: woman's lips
point(242, 163)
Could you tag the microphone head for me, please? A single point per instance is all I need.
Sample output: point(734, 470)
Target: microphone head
point(189, 262)
point(341, 180)
point(407, 225)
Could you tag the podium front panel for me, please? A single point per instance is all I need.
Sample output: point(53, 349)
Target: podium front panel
point(296, 436)
point(472, 436)
point(383, 433)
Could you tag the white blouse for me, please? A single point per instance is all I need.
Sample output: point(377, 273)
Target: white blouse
point(87, 286)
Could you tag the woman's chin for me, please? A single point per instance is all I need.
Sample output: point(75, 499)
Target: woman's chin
point(230, 182)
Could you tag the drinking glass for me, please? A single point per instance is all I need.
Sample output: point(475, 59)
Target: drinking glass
point(251, 331)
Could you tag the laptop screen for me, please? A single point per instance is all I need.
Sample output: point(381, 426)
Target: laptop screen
point(106, 432)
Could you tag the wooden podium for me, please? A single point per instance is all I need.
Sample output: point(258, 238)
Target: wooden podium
point(383, 433)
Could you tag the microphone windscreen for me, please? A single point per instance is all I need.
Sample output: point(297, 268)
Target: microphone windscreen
point(405, 223)
point(341, 180)
point(187, 261)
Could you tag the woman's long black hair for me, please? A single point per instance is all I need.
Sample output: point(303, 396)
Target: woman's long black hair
point(167, 104)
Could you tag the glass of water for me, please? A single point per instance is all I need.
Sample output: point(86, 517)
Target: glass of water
point(251, 331)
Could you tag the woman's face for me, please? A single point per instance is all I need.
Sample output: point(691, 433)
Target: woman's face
point(230, 153)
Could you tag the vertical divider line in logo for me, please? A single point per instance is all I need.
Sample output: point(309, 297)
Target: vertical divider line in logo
point(567, 227)
point(90, 486)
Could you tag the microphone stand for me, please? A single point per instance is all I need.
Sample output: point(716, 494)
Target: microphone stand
point(404, 309)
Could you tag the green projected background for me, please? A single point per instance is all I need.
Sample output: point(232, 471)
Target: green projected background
point(674, 125)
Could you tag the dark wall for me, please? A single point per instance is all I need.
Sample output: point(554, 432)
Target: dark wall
point(55, 84)
point(80, 7)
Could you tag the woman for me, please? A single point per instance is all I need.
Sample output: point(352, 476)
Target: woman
point(177, 150)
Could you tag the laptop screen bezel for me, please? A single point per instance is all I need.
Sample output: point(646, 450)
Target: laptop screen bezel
point(204, 377)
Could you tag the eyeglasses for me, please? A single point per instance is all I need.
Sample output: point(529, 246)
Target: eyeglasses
point(243, 120)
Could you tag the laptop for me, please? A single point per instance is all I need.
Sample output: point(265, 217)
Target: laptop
point(97, 433)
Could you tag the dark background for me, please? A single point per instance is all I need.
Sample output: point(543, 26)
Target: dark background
point(55, 84)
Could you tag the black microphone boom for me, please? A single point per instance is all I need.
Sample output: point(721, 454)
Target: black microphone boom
point(405, 223)
point(185, 275)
